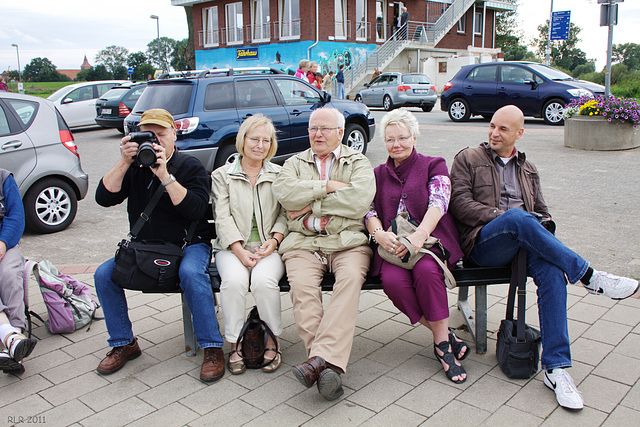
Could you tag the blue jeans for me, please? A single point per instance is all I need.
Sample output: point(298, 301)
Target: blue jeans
point(340, 91)
point(194, 281)
point(548, 261)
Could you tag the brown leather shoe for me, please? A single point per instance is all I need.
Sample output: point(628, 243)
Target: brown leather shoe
point(118, 357)
point(212, 365)
point(308, 372)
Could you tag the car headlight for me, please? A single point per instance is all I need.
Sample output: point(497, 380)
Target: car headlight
point(580, 92)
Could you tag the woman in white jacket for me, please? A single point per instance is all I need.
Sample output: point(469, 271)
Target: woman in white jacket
point(250, 225)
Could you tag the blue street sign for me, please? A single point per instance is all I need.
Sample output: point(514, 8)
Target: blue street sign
point(130, 70)
point(560, 23)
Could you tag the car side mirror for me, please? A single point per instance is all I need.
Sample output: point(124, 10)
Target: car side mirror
point(367, 85)
point(531, 82)
point(325, 97)
point(66, 101)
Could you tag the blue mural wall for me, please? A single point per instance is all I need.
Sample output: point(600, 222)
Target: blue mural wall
point(285, 56)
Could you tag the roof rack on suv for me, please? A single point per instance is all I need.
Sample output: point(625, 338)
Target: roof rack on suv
point(220, 72)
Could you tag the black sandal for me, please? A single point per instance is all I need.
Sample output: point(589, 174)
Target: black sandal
point(448, 358)
point(457, 345)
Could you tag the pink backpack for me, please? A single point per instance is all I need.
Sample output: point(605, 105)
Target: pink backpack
point(69, 301)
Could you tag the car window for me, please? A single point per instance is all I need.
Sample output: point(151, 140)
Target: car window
point(549, 72)
point(297, 93)
point(113, 94)
point(81, 94)
point(393, 80)
point(383, 80)
point(515, 74)
point(4, 123)
point(174, 98)
point(483, 74)
point(415, 79)
point(219, 96)
point(135, 94)
point(26, 110)
point(104, 87)
point(376, 81)
point(254, 93)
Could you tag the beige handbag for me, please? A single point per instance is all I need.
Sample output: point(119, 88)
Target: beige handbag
point(402, 227)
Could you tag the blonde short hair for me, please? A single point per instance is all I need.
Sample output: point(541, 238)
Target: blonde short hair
point(402, 118)
point(253, 122)
point(304, 63)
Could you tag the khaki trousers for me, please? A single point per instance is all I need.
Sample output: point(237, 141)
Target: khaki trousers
point(327, 333)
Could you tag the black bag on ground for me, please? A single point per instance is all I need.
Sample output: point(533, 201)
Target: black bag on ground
point(252, 341)
point(149, 265)
point(518, 345)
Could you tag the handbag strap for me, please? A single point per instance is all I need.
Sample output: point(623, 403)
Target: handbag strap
point(518, 283)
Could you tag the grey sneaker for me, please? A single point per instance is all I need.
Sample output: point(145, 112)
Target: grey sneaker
point(614, 287)
point(567, 394)
point(330, 384)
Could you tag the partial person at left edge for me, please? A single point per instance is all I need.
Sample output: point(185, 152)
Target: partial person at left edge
point(185, 200)
point(12, 317)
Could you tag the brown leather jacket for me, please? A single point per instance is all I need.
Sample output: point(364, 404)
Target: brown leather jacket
point(475, 191)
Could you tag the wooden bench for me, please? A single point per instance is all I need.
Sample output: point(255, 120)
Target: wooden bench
point(466, 277)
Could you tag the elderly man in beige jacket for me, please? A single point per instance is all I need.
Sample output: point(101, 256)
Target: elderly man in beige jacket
point(327, 190)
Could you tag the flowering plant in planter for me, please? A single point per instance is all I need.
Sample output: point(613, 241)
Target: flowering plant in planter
point(615, 110)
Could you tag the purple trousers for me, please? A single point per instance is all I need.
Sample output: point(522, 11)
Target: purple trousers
point(418, 293)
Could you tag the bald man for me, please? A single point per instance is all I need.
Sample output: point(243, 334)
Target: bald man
point(497, 200)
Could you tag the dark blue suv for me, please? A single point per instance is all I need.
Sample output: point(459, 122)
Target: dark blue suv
point(209, 106)
point(538, 90)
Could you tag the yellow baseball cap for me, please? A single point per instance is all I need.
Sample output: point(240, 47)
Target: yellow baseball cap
point(157, 116)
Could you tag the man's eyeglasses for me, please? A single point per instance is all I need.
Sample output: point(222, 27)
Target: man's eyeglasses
point(255, 141)
point(325, 131)
point(402, 139)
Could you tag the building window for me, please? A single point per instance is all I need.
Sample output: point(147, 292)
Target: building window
point(462, 24)
point(380, 20)
point(340, 19)
point(234, 23)
point(477, 30)
point(260, 23)
point(362, 28)
point(289, 25)
point(211, 36)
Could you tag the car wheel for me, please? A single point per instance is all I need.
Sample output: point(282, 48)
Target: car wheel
point(355, 137)
point(552, 112)
point(459, 110)
point(227, 154)
point(50, 205)
point(387, 103)
point(358, 98)
point(427, 109)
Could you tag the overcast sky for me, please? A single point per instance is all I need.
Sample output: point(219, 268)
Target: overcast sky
point(66, 30)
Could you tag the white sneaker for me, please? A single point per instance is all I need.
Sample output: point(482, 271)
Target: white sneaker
point(614, 287)
point(567, 394)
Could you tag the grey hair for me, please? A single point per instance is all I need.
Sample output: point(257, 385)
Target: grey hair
point(340, 121)
point(402, 118)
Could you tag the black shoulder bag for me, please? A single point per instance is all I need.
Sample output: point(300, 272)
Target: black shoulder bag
point(518, 345)
point(149, 265)
point(252, 341)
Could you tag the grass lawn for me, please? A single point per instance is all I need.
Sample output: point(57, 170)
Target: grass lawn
point(42, 89)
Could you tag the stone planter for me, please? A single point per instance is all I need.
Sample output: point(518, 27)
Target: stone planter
point(596, 133)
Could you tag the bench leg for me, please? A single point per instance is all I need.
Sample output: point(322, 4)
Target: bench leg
point(187, 323)
point(465, 309)
point(481, 319)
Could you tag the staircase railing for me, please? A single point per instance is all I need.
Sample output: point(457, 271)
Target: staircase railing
point(449, 18)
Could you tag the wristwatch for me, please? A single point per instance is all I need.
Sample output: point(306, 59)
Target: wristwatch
point(169, 181)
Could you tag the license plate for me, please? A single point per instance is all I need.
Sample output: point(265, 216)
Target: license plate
point(105, 111)
point(421, 91)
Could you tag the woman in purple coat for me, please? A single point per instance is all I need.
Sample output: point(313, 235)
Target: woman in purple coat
point(419, 185)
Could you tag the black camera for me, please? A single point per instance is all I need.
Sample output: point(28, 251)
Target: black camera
point(146, 153)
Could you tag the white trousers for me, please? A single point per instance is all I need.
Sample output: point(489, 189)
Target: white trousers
point(262, 280)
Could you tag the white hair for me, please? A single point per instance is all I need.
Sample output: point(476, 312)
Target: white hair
point(340, 120)
point(402, 118)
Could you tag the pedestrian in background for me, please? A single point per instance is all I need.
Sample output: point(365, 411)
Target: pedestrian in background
point(340, 81)
point(326, 82)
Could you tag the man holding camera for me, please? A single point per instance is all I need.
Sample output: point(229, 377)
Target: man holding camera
point(497, 200)
point(185, 200)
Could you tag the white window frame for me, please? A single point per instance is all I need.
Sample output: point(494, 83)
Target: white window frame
point(477, 24)
point(340, 19)
point(260, 22)
point(462, 24)
point(211, 35)
point(361, 20)
point(383, 5)
point(234, 28)
point(289, 25)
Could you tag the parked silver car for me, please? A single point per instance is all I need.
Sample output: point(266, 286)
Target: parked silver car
point(393, 90)
point(37, 146)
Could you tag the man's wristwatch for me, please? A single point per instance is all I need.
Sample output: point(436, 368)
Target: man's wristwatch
point(169, 181)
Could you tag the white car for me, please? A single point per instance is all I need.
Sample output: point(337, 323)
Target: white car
point(77, 102)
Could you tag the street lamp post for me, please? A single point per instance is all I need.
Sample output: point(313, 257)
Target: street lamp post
point(19, 73)
point(157, 18)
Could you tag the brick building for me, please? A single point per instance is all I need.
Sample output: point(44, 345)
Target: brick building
point(438, 37)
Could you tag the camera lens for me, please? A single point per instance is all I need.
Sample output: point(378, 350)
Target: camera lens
point(146, 154)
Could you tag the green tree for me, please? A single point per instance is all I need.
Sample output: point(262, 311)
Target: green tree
point(167, 46)
point(99, 72)
point(178, 57)
point(112, 57)
point(627, 54)
point(42, 70)
point(564, 53)
point(141, 67)
point(120, 72)
point(509, 36)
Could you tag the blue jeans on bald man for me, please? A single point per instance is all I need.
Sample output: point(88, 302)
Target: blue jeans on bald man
point(549, 263)
point(194, 281)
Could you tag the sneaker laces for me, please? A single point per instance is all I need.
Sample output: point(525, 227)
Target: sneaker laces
point(566, 382)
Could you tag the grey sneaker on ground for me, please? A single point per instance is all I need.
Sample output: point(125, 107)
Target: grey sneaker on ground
point(567, 394)
point(614, 287)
